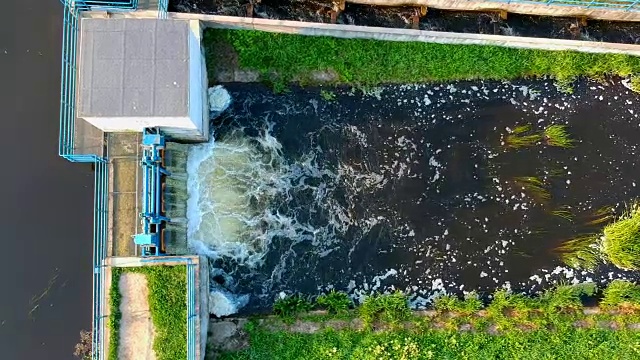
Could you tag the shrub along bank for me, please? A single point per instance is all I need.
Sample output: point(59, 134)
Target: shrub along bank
point(168, 307)
point(281, 58)
point(551, 326)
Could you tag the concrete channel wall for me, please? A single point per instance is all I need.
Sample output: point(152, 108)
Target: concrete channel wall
point(542, 9)
point(389, 34)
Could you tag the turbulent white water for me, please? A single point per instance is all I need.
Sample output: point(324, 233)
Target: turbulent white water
point(230, 186)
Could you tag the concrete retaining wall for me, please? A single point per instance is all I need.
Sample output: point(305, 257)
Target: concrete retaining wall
point(518, 8)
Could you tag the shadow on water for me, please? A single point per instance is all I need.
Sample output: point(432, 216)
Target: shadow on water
point(413, 187)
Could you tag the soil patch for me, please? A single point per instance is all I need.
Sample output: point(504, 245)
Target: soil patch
point(136, 327)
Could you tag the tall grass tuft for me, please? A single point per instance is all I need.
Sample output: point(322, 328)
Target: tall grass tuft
point(634, 83)
point(556, 135)
point(621, 242)
point(452, 303)
point(563, 212)
point(602, 215)
point(621, 293)
point(564, 297)
point(335, 302)
point(581, 252)
point(290, 306)
point(392, 308)
point(534, 186)
point(516, 138)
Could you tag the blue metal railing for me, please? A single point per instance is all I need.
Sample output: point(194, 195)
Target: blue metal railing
point(163, 6)
point(626, 5)
point(68, 82)
point(100, 235)
point(66, 149)
point(192, 314)
point(191, 311)
point(102, 5)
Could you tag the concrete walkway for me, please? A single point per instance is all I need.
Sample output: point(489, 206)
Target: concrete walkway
point(136, 327)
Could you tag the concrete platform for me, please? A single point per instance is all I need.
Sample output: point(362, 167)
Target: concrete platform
point(125, 185)
point(88, 139)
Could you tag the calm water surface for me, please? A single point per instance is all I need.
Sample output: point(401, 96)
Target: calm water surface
point(45, 212)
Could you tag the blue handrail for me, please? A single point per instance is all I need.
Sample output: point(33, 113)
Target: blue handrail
point(163, 6)
point(103, 5)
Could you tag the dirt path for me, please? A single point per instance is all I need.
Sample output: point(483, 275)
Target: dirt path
point(136, 328)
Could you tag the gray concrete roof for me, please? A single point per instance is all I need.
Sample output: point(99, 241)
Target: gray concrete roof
point(133, 67)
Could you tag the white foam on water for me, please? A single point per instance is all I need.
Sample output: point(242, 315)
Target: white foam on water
point(224, 303)
point(231, 183)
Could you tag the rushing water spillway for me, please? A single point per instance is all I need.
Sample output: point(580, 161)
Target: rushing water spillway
point(409, 187)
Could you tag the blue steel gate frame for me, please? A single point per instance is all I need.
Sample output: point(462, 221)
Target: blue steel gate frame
point(66, 149)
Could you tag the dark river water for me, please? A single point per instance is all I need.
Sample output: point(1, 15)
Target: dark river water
point(46, 211)
point(410, 187)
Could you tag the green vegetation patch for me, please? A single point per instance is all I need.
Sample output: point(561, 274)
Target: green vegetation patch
point(391, 308)
point(621, 241)
point(618, 243)
point(565, 343)
point(167, 304)
point(511, 326)
point(282, 58)
point(114, 319)
point(290, 306)
point(556, 135)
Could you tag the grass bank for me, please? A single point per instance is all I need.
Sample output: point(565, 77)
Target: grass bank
point(551, 326)
point(565, 343)
point(168, 307)
point(372, 62)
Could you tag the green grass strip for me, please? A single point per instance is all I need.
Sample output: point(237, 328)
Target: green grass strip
point(114, 319)
point(371, 62)
point(168, 307)
point(513, 326)
point(565, 343)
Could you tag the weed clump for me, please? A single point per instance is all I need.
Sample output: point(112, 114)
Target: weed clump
point(634, 83)
point(335, 302)
point(602, 215)
point(534, 186)
point(557, 135)
point(391, 308)
point(290, 306)
point(581, 252)
point(566, 297)
point(564, 213)
point(621, 241)
point(621, 293)
point(517, 139)
point(470, 304)
point(504, 301)
point(328, 95)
